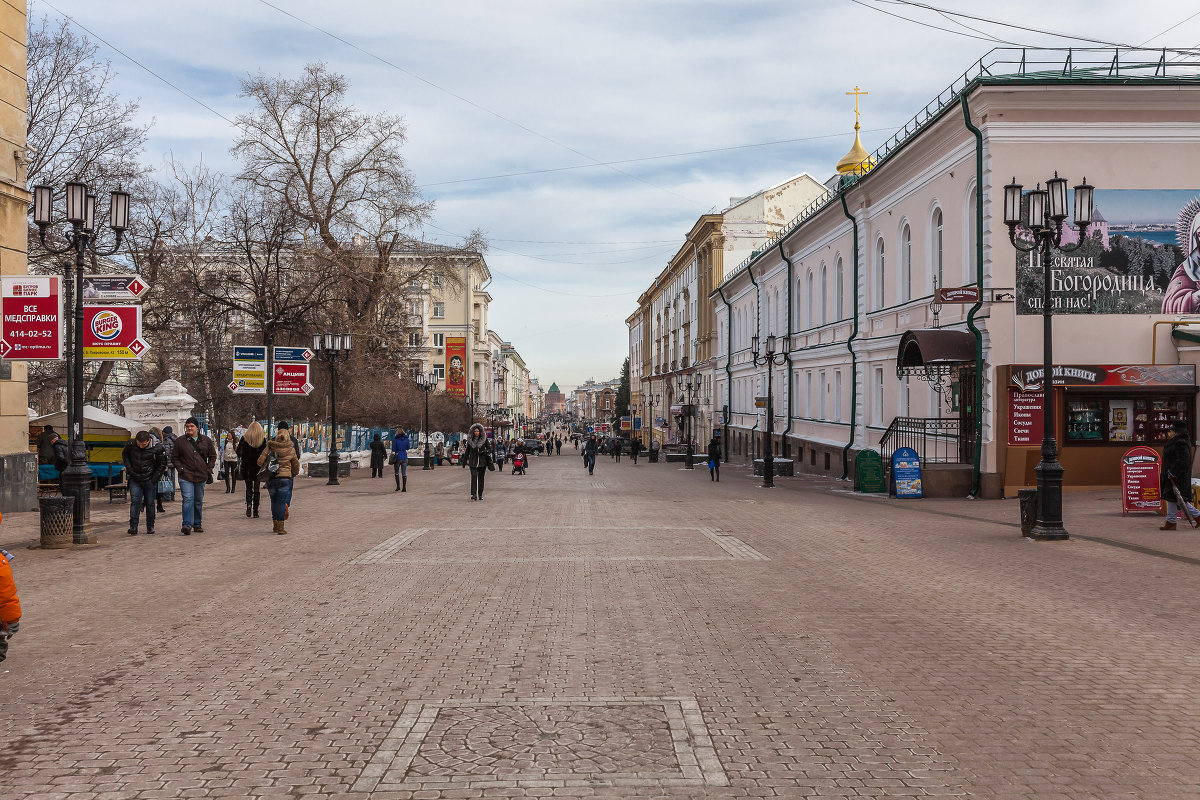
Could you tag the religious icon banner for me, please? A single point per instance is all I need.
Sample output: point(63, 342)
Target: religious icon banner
point(456, 366)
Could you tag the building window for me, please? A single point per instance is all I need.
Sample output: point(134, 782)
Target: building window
point(808, 395)
point(839, 279)
point(439, 340)
point(414, 339)
point(938, 251)
point(905, 399)
point(880, 274)
point(906, 264)
point(837, 396)
point(972, 228)
point(822, 390)
point(824, 293)
point(437, 281)
point(808, 300)
point(877, 397)
point(440, 371)
point(439, 310)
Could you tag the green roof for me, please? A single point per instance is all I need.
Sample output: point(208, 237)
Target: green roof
point(554, 387)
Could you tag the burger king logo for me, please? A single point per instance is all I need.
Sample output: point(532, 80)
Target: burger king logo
point(106, 325)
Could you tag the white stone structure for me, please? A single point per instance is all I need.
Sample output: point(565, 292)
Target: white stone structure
point(170, 404)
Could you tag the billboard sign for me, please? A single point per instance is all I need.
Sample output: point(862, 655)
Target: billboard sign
point(456, 366)
point(249, 370)
point(290, 379)
point(113, 333)
point(107, 288)
point(31, 318)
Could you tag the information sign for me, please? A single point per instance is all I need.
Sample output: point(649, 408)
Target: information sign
point(31, 318)
point(249, 369)
point(113, 287)
point(626, 424)
point(906, 473)
point(869, 468)
point(760, 401)
point(960, 294)
point(1140, 471)
point(292, 355)
point(290, 379)
point(113, 333)
point(637, 423)
point(1024, 417)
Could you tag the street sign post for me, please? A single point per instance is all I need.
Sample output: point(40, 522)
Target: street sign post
point(113, 333)
point(31, 318)
point(107, 288)
point(249, 370)
point(290, 373)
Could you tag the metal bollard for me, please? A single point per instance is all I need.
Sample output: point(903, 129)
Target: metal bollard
point(57, 521)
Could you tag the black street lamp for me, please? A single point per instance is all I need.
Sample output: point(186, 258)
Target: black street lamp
point(651, 399)
point(427, 382)
point(1047, 211)
point(768, 359)
point(330, 347)
point(687, 389)
point(81, 239)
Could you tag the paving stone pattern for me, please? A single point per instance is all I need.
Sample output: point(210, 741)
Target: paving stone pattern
point(643, 632)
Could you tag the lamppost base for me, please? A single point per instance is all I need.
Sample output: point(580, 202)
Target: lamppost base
point(1048, 533)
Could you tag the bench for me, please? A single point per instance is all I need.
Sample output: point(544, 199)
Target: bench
point(117, 491)
point(48, 488)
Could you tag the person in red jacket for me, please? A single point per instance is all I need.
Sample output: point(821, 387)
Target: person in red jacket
point(10, 607)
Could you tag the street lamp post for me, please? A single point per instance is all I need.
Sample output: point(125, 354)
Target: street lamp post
point(426, 381)
point(768, 359)
point(688, 390)
point(1047, 210)
point(330, 347)
point(81, 239)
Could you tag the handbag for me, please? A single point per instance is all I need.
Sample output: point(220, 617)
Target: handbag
point(392, 460)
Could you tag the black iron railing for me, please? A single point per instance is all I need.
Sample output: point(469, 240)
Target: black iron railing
point(941, 440)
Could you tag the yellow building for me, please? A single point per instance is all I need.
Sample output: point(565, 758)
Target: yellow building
point(18, 467)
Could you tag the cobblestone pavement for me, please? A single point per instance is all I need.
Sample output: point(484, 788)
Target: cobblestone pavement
point(642, 632)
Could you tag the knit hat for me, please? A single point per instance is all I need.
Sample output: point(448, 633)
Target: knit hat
point(191, 421)
point(283, 426)
point(167, 429)
point(1179, 426)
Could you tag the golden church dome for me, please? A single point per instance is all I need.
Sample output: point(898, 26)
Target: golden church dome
point(858, 160)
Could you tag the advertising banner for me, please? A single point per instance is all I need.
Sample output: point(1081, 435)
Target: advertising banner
point(127, 288)
point(456, 366)
point(249, 370)
point(31, 318)
point(626, 424)
point(1028, 377)
point(1140, 257)
point(1025, 418)
point(290, 379)
point(1140, 467)
point(113, 332)
point(906, 473)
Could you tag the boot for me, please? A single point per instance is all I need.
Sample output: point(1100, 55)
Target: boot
point(256, 499)
point(249, 509)
point(397, 483)
point(404, 484)
point(279, 527)
point(1167, 526)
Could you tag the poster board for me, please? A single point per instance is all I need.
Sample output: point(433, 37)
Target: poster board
point(906, 473)
point(1140, 471)
point(868, 470)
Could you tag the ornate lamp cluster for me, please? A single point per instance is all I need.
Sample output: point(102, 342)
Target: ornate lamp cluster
point(768, 358)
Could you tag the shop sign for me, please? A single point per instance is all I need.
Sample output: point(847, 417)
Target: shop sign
point(868, 467)
point(126, 288)
point(249, 370)
point(456, 366)
point(906, 473)
point(31, 319)
point(113, 332)
point(290, 379)
point(959, 294)
point(1028, 377)
point(1025, 418)
point(760, 401)
point(626, 424)
point(1140, 470)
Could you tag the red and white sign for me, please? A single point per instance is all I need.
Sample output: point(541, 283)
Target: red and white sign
point(113, 332)
point(1025, 418)
point(31, 318)
point(1140, 470)
point(291, 379)
point(959, 294)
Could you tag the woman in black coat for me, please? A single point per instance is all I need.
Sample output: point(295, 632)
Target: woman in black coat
point(248, 450)
point(714, 459)
point(378, 457)
point(1177, 473)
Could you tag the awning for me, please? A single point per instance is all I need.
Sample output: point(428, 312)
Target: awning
point(933, 349)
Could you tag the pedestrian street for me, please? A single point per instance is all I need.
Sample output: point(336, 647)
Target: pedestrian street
point(639, 632)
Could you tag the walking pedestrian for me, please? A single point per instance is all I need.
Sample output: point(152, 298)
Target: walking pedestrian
point(253, 442)
point(282, 465)
point(10, 606)
point(1177, 474)
point(399, 459)
point(575, 441)
point(194, 456)
point(477, 458)
point(618, 446)
point(168, 443)
point(590, 448)
point(714, 459)
point(635, 447)
point(378, 456)
point(558, 446)
point(439, 454)
point(62, 458)
point(229, 459)
point(45, 445)
point(144, 462)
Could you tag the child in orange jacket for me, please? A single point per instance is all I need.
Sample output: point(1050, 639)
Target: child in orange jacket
point(10, 607)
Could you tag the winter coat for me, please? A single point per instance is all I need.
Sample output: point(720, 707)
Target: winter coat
point(400, 445)
point(249, 456)
point(10, 606)
point(62, 455)
point(229, 452)
point(1177, 464)
point(591, 447)
point(714, 451)
point(289, 462)
point(194, 458)
point(635, 447)
point(168, 442)
point(378, 455)
point(477, 452)
point(144, 463)
point(45, 446)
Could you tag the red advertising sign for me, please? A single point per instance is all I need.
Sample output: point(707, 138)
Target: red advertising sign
point(31, 320)
point(960, 294)
point(291, 379)
point(113, 332)
point(1140, 470)
point(1029, 376)
point(456, 366)
point(1024, 418)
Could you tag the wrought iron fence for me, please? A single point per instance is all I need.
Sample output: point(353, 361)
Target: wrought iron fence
point(937, 440)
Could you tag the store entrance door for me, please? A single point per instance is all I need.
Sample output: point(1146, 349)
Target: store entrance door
point(967, 416)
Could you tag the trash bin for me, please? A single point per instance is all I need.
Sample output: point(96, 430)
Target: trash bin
point(58, 521)
point(1028, 500)
point(653, 456)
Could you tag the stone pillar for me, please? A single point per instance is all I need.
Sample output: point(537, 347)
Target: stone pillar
point(170, 404)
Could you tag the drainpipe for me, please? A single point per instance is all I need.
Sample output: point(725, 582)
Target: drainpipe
point(728, 371)
point(757, 331)
point(850, 347)
point(788, 430)
point(978, 457)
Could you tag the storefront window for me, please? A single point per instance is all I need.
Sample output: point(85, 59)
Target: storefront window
point(1124, 419)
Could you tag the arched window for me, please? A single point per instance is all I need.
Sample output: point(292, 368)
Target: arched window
point(824, 293)
point(880, 274)
point(840, 280)
point(971, 262)
point(778, 315)
point(905, 264)
point(937, 248)
point(808, 300)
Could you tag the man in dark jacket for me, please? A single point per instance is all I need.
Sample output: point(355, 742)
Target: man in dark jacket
point(144, 465)
point(1177, 474)
point(194, 457)
point(635, 447)
point(45, 445)
point(590, 448)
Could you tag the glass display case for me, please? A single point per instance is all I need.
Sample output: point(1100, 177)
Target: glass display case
point(1144, 419)
point(1085, 420)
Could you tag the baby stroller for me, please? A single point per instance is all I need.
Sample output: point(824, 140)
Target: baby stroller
point(518, 463)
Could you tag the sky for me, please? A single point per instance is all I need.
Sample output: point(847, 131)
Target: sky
point(555, 88)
